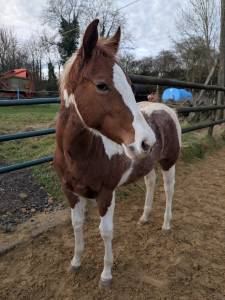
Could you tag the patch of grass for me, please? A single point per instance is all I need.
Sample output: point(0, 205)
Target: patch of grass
point(199, 146)
point(185, 124)
point(47, 177)
point(31, 148)
point(20, 118)
point(25, 118)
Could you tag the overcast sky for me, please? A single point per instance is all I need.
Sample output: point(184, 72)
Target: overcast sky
point(151, 22)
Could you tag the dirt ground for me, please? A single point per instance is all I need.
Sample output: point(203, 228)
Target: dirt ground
point(22, 198)
point(186, 263)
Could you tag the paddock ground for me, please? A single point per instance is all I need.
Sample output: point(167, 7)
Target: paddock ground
point(186, 263)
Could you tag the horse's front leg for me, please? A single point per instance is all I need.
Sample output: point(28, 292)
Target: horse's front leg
point(106, 204)
point(77, 205)
point(77, 216)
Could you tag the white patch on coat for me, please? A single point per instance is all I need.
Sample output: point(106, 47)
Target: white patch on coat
point(169, 182)
point(150, 180)
point(69, 99)
point(111, 148)
point(106, 230)
point(65, 97)
point(126, 175)
point(149, 108)
point(77, 216)
point(142, 130)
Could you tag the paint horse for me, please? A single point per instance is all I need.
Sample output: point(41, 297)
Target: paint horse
point(105, 139)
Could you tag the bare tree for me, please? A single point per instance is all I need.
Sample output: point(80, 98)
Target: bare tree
point(198, 29)
point(110, 17)
point(108, 14)
point(51, 50)
point(106, 11)
point(9, 49)
point(85, 11)
point(200, 19)
point(128, 62)
point(36, 58)
point(195, 57)
point(55, 10)
point(167, 64)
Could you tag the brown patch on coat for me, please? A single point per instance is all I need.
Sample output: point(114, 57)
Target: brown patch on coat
point(167, 137)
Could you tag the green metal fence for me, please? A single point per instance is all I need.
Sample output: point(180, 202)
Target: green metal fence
point(136, 80)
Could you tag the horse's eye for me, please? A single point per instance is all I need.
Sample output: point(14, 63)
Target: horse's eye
point(102, 87)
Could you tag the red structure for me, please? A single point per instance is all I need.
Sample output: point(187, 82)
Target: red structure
point(14, 82)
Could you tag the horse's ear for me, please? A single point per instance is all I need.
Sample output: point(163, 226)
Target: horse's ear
point(114, 41)
point(90, 39)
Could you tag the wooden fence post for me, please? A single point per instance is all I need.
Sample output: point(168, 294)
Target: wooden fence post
point(213, 114)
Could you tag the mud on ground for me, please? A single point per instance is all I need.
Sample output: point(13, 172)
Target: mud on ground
point(186, 263)
point(22, 197)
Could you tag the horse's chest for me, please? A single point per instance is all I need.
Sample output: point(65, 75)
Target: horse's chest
point(88, 177)
point(84, 181)
point(84, 190)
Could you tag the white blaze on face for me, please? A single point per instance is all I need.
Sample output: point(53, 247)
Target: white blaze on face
point(143, 131)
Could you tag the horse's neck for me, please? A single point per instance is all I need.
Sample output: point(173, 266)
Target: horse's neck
point(82, 142)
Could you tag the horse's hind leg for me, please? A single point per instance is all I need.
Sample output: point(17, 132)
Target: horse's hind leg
point(169, 181)
point(150, 180)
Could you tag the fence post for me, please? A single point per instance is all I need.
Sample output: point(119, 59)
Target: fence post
point(18, 94)
point(213, 114)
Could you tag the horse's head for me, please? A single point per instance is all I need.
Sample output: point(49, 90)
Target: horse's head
point(101, 92)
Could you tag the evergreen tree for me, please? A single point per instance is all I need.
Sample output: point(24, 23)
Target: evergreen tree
point(70, 33)
point(52, 80)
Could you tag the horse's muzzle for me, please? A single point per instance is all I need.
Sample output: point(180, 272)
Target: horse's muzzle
point(139, 150)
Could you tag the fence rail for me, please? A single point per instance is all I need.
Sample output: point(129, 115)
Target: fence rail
point(142, 81)
point(34, 101)
point(199, 108)
point(26, 164)
point(25, 134)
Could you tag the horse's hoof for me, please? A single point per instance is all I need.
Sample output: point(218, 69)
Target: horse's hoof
point(105, 284)
point(142, 221)
point(166, 227)
point(73, 269)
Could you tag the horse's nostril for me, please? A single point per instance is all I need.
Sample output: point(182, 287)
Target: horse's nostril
point(145, 146)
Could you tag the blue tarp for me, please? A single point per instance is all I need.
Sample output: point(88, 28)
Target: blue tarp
point(176, 94)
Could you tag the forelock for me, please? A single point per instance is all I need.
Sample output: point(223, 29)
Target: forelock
point(74, 63)
point(105, 48)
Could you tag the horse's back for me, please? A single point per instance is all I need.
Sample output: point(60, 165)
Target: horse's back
point(164, 122)
point(149, 108)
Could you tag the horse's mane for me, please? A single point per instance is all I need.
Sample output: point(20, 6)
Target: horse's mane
point(74, 64)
